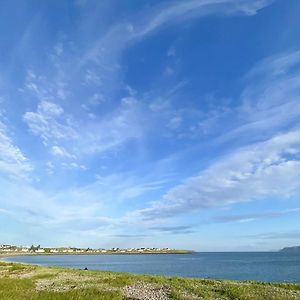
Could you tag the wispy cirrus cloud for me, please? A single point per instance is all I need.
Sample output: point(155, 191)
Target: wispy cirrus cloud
point(115, 129)
point(108, 48)
point(270, 168)
point(282, 235)
point(255, 216)
point(58, 129)
point(124, 124)
point(42, 209)
point(179, 229)
point(178, 11)
point(270, 101)
point(13, 163)
point(268, 165)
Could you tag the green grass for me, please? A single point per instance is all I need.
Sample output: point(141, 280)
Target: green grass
point(15, 289)
point(33, 282)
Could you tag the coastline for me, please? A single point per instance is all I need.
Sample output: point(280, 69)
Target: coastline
point(215, 265)
point(173, 252)
point(4, 256)
point(23, 281)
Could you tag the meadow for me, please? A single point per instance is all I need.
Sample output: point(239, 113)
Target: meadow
point(20, 281)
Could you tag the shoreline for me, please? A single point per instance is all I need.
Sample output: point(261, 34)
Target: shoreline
point(12, 254)
point(10, 259)
point(4, 256)
point(24, 281)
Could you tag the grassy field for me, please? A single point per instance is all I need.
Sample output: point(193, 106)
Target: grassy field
point(18, 281)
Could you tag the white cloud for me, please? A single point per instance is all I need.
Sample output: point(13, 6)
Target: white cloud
point(91, 78)
point(74, 165)
point(49, 122)
point(256, 216)
point(168, 71)
point(114, 129)
point(38, 86)
point(51, 85)
point(175, 122)
point(60, 151)
point(274, 66)
point(55, 128)
point(270, 102)
point(257, 171)
point(108, 48)
point(49, 109)
point(284, 235)
point(180, 10)
point(13, 162)
point(262, 169)
point(50, 167)
point(4, 211)
point(62, 209)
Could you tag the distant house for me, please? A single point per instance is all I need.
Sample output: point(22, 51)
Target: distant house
point(40, 250)
point(6, 246)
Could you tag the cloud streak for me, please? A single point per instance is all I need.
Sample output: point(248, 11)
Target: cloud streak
point(270, 168)
point(287, 235)
point(179, 11)
point(255, 216)
point(13, 163)
point(261, 169)
point(107, 50)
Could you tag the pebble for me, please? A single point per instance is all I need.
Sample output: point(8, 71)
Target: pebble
point(146, 291)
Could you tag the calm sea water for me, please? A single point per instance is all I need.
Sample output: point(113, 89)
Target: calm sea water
point(262, 266)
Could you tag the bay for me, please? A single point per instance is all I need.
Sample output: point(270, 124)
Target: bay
point(261, 266)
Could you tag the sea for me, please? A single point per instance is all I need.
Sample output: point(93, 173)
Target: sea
point(259, 266)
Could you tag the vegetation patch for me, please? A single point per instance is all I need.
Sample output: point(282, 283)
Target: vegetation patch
point(38, 283)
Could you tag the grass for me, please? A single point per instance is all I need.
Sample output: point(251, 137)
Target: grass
point(18, 281)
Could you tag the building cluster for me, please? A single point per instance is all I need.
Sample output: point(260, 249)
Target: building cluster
point(12, 248)
point(68, 250)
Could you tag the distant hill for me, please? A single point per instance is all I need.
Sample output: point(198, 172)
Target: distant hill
point(291, 249)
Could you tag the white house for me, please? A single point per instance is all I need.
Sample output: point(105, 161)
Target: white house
point(41, 250)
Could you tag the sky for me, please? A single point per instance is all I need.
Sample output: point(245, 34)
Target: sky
point(149, 123)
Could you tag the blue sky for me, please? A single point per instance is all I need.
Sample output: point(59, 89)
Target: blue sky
point(150, 123)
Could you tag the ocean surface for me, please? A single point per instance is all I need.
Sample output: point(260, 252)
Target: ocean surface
point(262, 266)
